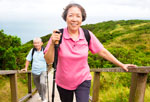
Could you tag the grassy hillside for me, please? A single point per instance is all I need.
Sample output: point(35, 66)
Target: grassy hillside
point(127, 40)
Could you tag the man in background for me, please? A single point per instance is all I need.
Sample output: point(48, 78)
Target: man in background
point(39, 67)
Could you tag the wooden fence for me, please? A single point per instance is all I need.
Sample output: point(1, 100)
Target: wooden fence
point(13, 84)
point(138, 82)
point(137, 89)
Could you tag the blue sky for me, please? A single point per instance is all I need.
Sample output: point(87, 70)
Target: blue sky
point(35, 18)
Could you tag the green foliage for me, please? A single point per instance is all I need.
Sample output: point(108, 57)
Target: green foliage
point(134, 56)
point(45, 38)
point(127, 40)
point(9, 50)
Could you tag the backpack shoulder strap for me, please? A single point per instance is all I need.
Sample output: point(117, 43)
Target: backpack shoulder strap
point(33, 50)
point(87, 35)
point(43, 49)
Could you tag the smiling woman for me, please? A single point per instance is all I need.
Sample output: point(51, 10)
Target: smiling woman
point(73, 73)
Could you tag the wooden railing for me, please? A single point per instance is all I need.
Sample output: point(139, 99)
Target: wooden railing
point(137, 89)
point(138, 82)
point(13, 84)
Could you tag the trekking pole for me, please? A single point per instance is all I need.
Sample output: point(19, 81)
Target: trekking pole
point(53, 89)
point(54, 65)
point(57, 43)
point(48, 86)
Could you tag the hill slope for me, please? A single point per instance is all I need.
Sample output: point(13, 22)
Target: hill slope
point(128, 40)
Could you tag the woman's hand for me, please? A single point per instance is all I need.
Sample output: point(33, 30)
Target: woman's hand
point(125, 66)
point(55, 37)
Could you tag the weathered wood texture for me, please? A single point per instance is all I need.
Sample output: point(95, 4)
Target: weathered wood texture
point(96, 87)
point(138, 85)
point(13, 87)
point(142, 69)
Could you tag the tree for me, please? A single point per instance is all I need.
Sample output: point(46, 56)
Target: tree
point(9, 51)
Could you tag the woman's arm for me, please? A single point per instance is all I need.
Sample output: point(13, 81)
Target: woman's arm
point(108, 56)
point(49, 55)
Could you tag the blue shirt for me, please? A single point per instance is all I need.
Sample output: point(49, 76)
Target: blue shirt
point(38, 63)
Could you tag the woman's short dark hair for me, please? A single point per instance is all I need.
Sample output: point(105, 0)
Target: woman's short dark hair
point(64, 14)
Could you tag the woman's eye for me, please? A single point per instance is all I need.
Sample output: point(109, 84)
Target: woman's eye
point(70, 15)
point(78, 16)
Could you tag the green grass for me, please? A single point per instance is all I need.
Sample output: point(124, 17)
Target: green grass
point(5, 89)
point(114, 94)
point(147, 93)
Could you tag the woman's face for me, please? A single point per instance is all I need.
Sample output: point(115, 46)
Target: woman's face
point(74, 18)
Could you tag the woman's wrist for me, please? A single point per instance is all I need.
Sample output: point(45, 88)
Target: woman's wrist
point(121, 65)
point(52, 43)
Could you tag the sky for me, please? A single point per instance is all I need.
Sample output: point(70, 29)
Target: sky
point(28, 19)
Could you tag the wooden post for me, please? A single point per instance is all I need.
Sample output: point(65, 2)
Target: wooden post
point(133, 87)
point(96, 87)
point(13, 87)
point(138, 86)
point(29, 83)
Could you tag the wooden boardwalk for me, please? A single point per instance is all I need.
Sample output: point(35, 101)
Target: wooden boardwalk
point(35, 98)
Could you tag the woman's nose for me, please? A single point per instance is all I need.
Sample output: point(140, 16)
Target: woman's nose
point(74, 18)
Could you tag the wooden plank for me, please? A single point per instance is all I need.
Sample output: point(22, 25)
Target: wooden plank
point(13, 87)
point(96, 87)
point(25, 97)
point(133, 87)
point(21, 72)
point(6, 72)
point(28, 96)
point(29, 83)
point(139, 83)
point(118, 69)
